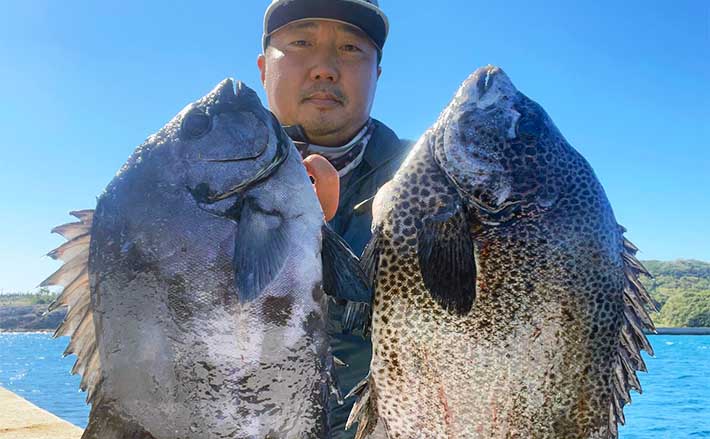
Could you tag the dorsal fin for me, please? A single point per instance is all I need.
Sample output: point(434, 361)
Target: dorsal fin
point(72, 230)
point(632, 337)
point(73, 277)
point(364, 410)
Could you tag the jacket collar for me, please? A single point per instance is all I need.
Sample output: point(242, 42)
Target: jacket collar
point(383, 146)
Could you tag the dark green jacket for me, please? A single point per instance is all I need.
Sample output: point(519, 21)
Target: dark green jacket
point(383, 155)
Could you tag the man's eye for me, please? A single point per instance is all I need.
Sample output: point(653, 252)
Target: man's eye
point(351, 48)
point(300, 43)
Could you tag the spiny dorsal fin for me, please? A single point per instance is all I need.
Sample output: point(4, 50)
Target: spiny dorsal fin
point(332, 379)
point(343, 278)
point(71, 230)
point(363, 411)
point(73, 277)
point(632, 337)
point(70, 249)
point(359, 315)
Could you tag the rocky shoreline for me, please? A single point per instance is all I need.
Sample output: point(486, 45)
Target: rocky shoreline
point(30, 318)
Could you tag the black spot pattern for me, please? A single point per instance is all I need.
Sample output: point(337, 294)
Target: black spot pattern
point(538, 354)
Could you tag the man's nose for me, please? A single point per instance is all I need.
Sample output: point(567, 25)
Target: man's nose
point(325, 67)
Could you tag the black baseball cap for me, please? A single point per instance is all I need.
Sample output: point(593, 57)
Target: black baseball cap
point(364, 14)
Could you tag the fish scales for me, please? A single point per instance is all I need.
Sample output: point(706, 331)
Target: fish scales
point(196, 288)
point(506, 300)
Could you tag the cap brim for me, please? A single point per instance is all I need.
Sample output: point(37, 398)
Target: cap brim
point(369, 18)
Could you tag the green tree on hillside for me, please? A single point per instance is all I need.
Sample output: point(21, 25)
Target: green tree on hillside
point(44, 296)
point(681, 290)
point(692, 309)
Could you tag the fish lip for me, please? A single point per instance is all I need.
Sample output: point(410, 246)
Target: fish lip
point(486, 87)
point(484, 82)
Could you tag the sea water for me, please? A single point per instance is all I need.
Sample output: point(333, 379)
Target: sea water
point(675, 401)
point(31, 365)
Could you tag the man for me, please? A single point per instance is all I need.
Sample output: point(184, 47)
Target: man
point(320, 66)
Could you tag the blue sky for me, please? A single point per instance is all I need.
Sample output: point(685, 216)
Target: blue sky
point(628, 83)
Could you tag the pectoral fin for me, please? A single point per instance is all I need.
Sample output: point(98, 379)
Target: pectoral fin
point(343, 278)
point(260, 250)
point(446, 259)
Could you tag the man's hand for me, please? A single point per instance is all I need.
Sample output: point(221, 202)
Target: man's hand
point(326, 183)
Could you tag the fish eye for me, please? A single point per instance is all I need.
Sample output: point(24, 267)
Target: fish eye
point(195, 124)
point(529, 126)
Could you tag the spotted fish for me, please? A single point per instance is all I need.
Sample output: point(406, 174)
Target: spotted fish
point(506, 298)
point(197, 288)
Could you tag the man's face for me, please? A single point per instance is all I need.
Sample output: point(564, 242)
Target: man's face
point(321, 75)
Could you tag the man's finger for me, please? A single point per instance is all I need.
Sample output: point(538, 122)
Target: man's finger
point(326, 183)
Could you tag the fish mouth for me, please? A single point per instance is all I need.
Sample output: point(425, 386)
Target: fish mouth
point(486, 87)
point(485, 82)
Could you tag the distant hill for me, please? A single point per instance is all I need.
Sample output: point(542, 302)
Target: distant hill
point(682, 291)
point(680, 288)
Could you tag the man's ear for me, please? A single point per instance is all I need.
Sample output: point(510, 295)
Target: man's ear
point(261, 64)
point(379, 71)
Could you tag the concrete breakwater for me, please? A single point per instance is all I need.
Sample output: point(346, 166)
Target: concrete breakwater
point(20, 419)
point(683, 331)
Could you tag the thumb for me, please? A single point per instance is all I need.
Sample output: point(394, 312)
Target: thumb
point(326, 183)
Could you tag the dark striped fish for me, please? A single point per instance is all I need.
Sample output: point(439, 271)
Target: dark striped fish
point(196, 289)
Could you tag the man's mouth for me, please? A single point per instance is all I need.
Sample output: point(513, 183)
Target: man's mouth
point(323, 99)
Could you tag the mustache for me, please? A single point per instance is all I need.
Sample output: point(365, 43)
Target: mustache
point(334, 91)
